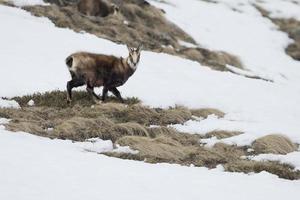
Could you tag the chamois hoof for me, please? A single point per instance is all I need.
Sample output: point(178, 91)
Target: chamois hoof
point(69, 101)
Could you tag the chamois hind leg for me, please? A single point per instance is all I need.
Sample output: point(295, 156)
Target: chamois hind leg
point(116, 92)
point(104, 93)
point(70, 85)
point(90, 90)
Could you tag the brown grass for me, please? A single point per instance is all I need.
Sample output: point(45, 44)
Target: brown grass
point(204, 113)
point(79, 129)
point(216, 59)
point(129, 125)
point(277, 144)
point(146, 24)
point(176, 150)
point(220, 134)
point(281, 170)
point(58, 99)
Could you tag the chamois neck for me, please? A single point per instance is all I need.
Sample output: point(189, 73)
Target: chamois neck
point(131, 64)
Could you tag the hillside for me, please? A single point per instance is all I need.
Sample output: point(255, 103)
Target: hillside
point(213, 105)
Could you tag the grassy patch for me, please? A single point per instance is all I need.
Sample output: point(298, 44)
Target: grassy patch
point(276, 144)
point(58, 99)
point(129, 125)
point(220, 134)
point(205, 112)
point(281, 170)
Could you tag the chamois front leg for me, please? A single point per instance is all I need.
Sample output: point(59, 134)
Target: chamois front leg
point(70, 85)
point(104, 93)
point(116, 92)
point(90, 90)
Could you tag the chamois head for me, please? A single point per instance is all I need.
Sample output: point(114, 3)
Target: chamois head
point(115, 8)
point(134, 56)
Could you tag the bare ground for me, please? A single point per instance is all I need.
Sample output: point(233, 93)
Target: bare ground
point(129, 124)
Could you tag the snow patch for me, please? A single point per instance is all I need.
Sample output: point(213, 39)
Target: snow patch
point(28, 2)
point(281, 9)
point(57, 169)
point(187, 44)
point(30, 103)
point(98, 145)
point(4, 103)
point(292, 158)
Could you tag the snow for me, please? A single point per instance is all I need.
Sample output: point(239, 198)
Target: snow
point(292, 158)
point(253, 106)
point(282, 9)
point(27, 2)
point(101, 146)
point(4, 103)
point(33, 61)
point(187, 44)
point(4, 121)
point(33, 168)
point(237, 27)
point(209, 142)
point(30, 102)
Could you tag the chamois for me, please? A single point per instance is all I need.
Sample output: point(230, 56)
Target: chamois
point(100, 8)
point(96, 70)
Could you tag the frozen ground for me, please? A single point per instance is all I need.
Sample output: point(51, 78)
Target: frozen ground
point(33, 52)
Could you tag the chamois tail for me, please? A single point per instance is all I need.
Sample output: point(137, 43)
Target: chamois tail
point(69, 61)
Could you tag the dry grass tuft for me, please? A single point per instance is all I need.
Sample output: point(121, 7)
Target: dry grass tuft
point(177, 115)
point(281, 170)
point(129, 125)
point(79, 129)
point(277, 144)
point(183, 138)
point(205, 112)
point(220, 134)
point(160, 149)
point(27, 126)
point(58, 99)
point(216, 59)
point(139, 114)
point(164, 148)
point(131, 128)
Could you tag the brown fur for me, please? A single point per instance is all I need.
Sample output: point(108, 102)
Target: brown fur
point(99, 69)
point(96, 8)
point(96, 70)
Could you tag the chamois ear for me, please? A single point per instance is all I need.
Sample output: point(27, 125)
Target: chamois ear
point(129, 48)
point(140, 47)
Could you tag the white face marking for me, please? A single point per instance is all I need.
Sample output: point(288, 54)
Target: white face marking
point(135, 57)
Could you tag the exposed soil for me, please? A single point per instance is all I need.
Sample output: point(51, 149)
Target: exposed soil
point(131, 124)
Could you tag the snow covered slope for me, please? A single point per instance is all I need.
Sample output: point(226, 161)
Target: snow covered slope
point(33, 168)
point(35, 50)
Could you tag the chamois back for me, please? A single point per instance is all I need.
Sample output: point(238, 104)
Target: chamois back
point(99, 8)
